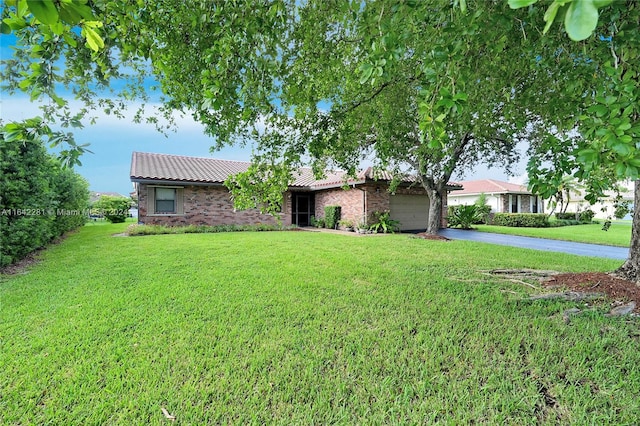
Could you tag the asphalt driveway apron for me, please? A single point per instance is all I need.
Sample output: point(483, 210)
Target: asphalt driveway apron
point(581, 249)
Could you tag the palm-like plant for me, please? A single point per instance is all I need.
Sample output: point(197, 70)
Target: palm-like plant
point(464, 216)
point(384, 223)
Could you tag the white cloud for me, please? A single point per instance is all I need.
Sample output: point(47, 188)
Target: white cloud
point(519, 179)
point(113, 140)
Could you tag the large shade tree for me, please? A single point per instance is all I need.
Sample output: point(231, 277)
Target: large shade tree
point(599, 103)
point(420, 87)
point(427, 87)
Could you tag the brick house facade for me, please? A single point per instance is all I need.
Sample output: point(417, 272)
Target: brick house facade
point(202, 205)
point(176, 190)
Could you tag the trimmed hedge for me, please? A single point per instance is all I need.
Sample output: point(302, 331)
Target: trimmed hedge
point(521, 220)
point(585, 216)
point(332, 216)
point(39, 201)
point(566, 222)
point(566, 216)
point(137, 229)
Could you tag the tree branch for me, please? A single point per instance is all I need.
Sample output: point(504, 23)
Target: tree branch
point(455, 156)
point(368, 99)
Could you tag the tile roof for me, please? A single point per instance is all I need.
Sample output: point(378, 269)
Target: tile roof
point(147, 166)
point(152, 166)
point(490, 186)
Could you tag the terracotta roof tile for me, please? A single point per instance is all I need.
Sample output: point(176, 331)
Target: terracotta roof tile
point(152, 166)
point(491, 186)
point(165, 167)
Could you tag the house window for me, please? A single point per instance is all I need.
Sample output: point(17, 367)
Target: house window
point(534, 204)
point(514, 201)
point(165, 200)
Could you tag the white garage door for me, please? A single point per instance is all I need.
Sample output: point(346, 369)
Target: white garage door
point(411, 210)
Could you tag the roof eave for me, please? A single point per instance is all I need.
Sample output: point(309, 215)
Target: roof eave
point(173, 182)
point(333, 185)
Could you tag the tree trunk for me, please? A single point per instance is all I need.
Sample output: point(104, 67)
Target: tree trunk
point(631, 268)
point(435, 211)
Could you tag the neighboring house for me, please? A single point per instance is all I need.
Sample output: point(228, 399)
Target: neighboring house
point(603, 209)
point(503, 197)
point(179, 190)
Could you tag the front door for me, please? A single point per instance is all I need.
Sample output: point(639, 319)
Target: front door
point(303, 209)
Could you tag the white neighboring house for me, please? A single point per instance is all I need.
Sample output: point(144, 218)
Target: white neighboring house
point(603, 209)
point(503, 197)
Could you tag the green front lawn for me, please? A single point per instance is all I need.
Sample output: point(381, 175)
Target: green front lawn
point(303, 328)
point(619, 234)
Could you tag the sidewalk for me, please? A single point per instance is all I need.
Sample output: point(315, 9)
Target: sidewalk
point(581, 249)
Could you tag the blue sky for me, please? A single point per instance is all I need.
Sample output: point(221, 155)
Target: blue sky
point(113, 140)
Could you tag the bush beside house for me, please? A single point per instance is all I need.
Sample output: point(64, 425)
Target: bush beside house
point(40, 200)
point(332, 216)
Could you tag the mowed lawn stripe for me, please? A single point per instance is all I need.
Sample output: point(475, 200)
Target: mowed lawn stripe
point(299, 327)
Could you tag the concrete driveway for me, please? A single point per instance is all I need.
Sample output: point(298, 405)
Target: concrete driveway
point(581, 249)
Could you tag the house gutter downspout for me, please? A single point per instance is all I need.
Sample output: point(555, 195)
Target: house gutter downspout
point(364, 204)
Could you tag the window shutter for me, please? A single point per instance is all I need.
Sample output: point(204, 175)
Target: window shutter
point(180, 201)
point(151, 200)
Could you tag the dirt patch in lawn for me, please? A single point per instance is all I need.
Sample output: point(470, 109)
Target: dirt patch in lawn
point(22, 266)
point(426, 236)
point(616, 289)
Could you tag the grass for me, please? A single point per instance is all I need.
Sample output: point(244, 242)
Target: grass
point(303, 328)
point(619, 234)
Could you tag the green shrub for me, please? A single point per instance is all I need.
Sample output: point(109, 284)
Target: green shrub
point(522, 220)
point(139, 229)
point(572, 218)
point(565, 222)
point(39, 199)
point(71, 200)
point(384, 223)
point(332, 216)
point(317, 222)
point(114, 209)
point(566, 216)
point(483, 209)
point(464, 216)
point(587, 216)
point(346, 224)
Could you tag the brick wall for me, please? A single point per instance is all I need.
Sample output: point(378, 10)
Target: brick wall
point(525, 204)
point(350, 200)
point(377, 199)
point(207, 205)
point(212, 205)
point(506, 207)
point(355, 202)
